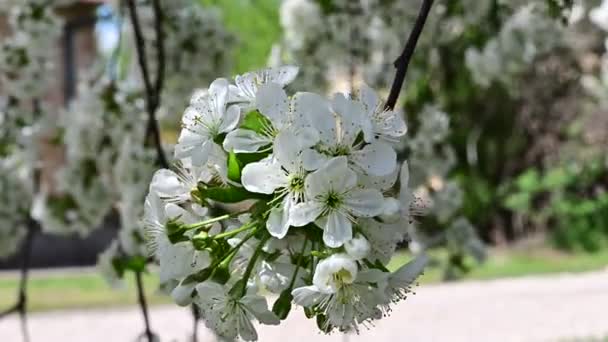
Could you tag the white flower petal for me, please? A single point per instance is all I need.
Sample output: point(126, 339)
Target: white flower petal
point(351, 115)
point(182, 294)
point(283, 75)
point(263, 177)
point(167, 184)
point(337, 229)
point(307, 296)
point(230, 119)
point(376, 159)
point(278, 219)
point(312, 160)
point(272, 101)
point(287, 150)
point(303, 213)
point(259, 308)
point(364, 202)
point(314, 111)
point(382, 183)
point(244, 141)
point(200, 156)
point(218, 92)
point(333, 176)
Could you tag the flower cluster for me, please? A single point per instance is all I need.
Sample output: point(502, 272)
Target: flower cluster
point(192, 33)
point(25, 70)
point(439, 198)
point(527, 34)
point(16, 195)
point(285, 194)
point(325, 36)
point(25, 56)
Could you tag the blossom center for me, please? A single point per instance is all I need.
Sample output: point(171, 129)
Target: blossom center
point(296, 184)
point(342, 277)
point(333, 200)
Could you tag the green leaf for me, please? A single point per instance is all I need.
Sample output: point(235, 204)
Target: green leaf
point(282, 306)
point(135, 264)
point(234, 167)
point(556, 178)
point(255, 121)
point(229, 194)
point(518, 202)
point(529, 181)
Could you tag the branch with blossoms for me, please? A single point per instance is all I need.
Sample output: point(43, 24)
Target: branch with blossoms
point(314, 176)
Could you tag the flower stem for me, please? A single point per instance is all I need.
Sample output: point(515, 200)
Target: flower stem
point(231, 233)
point(251, 264)
point(212, 220)
point(141, 297)
point(295, 273)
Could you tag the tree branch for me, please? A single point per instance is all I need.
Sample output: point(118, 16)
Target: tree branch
point(21, 306)
point(195, 318)
point(402, 63)
point(160, 49)
point(153, 92)
point(141, 297)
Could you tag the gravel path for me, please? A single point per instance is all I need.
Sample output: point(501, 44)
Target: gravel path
point(551, 308)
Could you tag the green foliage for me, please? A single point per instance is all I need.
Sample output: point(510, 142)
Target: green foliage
point(257, 23)
point(135, 263)
point(569, 199)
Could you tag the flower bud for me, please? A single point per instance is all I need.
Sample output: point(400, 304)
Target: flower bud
point(358, 247)
point(182, 294)
point(390, 210)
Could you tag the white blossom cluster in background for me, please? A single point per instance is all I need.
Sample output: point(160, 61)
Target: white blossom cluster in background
point(15, 196)
point(197, 47)
point(26, 70)
point(327, 35)
point(25, 55)
point(527, 34)
point(195, 33)
point(431, 159)
point(290, 195)
point(103, 135)
point(597, 84)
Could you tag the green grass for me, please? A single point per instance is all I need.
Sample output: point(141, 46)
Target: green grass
point(49, 291)
point(68, 290)
point(503, 264)
point(256, 24)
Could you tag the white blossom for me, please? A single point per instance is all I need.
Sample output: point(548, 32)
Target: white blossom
point(333, 201)
point(231, 316)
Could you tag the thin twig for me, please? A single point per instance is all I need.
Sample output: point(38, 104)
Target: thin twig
point(144, 306)
point(160, 49)
point(402, 63)
point(195, 318)
point(152, 91)
point(21, 306)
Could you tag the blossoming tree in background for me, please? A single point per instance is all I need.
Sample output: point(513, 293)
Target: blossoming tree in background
point(109, 132)
point(26, 69)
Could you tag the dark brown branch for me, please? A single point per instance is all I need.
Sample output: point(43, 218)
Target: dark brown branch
point(21, 306)
point(160, 48)
point(195, 318)
point(402, 63)
point(153, 91)
point(141, 298)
